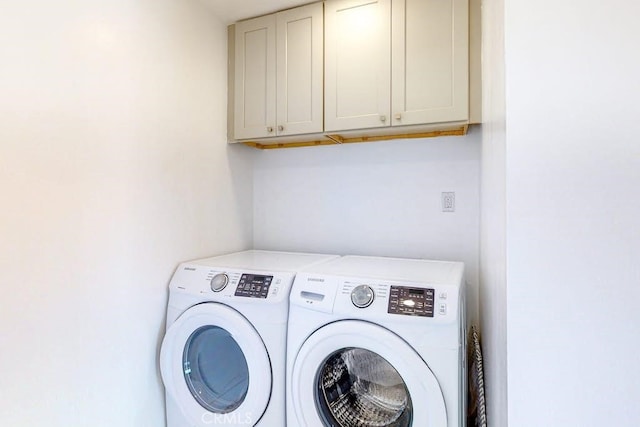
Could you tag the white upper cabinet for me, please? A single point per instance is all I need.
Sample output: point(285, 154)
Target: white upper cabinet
point(353, 70)
point(396, 62)
point(430, 61)
point(278, 74)
point(299, 69)
point(255, 78)
point(357, 64)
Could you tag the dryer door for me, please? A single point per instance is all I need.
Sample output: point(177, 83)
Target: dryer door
point(216, 367)
point(354, 374)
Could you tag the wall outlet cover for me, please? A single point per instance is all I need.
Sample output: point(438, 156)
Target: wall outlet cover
point(448, 201)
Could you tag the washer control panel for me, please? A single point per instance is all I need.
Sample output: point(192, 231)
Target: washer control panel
point(411, 301)
point(378, 300)
point(253, 286)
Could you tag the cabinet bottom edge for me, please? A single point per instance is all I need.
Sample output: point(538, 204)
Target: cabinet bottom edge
point(335, 139)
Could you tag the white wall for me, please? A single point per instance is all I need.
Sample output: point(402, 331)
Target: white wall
point(381, 199)
point(573, 212)
point(493, 286)
point(113, 168)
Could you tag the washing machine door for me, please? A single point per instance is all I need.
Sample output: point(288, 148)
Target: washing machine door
point(357, 374)
point(215, 366)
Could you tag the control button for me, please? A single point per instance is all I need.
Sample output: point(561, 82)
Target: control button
point(442, 309)
point(219, 282)
point(442, 295)
point(362, 296)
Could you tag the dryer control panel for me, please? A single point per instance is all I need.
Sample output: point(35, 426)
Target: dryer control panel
point(253, 286)
point(247, 286)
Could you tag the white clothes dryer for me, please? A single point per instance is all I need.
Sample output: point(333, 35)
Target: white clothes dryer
point(377, 342)
point(223, 355)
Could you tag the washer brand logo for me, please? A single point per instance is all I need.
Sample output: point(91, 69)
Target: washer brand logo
point(314, 279)
point(212, 419)
point(190, 268)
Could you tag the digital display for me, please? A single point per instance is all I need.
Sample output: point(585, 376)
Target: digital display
point(411, 301)
point(253, 286)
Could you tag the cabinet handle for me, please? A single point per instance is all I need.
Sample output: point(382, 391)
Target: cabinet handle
point(383, 118)
point(269, 129)
point(398, 116)
point(280, 128)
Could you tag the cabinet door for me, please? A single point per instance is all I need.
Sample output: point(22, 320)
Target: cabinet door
point(299, 69)
point(357, 64)
point(255, 78)
point(430, 57)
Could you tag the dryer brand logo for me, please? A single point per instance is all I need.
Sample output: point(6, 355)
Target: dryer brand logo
point(314, 279)
point(212, 419)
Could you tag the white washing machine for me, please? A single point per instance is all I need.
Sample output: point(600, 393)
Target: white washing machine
point(223, 355)
point(377, 342)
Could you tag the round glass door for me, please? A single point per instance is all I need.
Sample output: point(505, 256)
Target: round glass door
point(353, 373)
point(215, 369)
point(214, 362)
point(356, 387)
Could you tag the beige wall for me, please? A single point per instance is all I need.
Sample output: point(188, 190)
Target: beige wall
point(113, 168)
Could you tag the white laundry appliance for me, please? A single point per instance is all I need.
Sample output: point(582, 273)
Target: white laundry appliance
point(223, 355)
point(377, 342)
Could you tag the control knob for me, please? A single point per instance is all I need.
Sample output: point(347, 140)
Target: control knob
point(219, 282)
point(362, 296)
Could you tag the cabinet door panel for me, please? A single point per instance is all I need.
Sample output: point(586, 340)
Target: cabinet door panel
point(255, 78)
point(299, 68)
point(430, 61)
point(357, 64)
